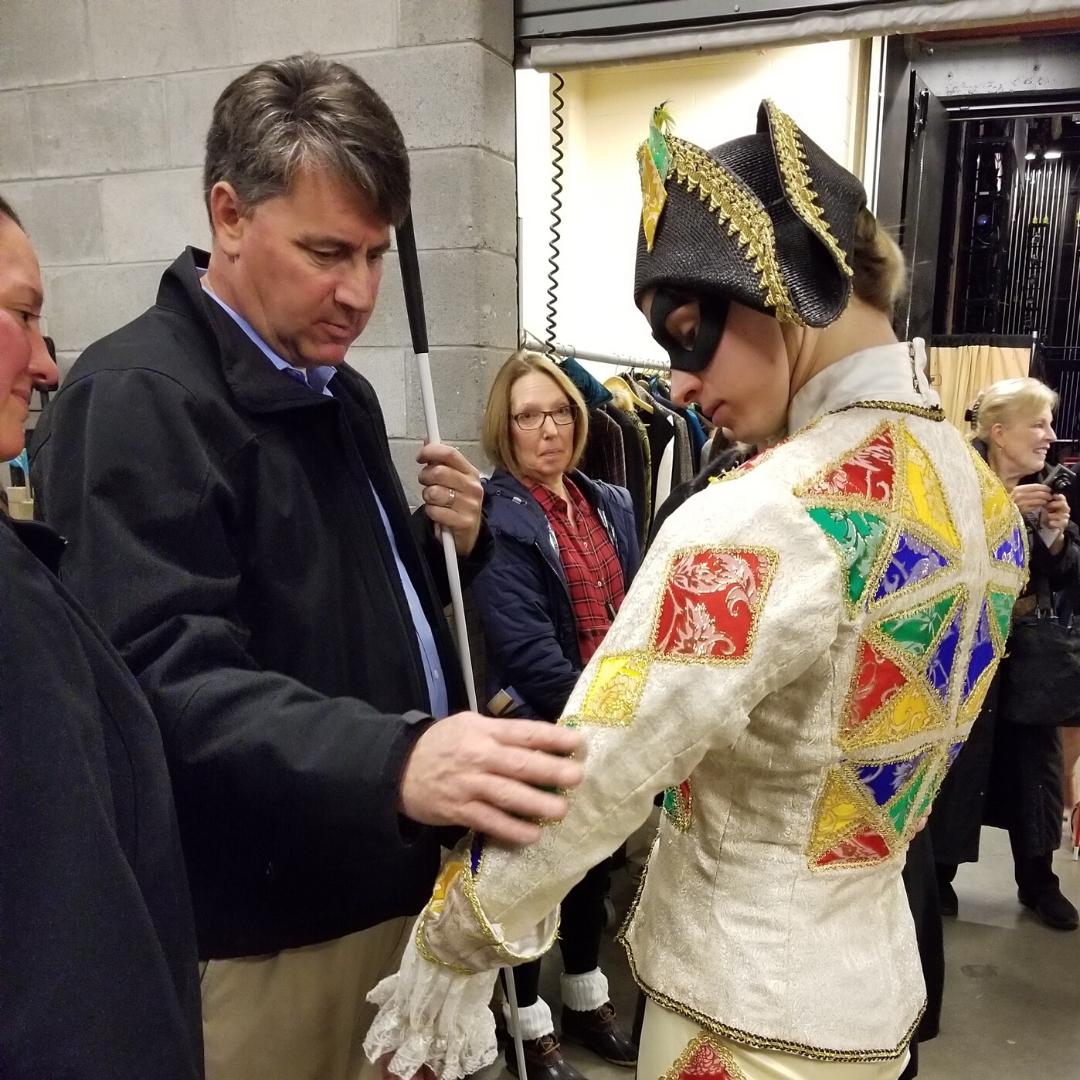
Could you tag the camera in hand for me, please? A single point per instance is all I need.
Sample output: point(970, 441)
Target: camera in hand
point(1059, 479)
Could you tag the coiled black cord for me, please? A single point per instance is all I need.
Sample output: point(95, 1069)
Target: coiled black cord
point(554, 234)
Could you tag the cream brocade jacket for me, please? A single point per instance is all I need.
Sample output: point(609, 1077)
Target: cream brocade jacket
point(798, 663)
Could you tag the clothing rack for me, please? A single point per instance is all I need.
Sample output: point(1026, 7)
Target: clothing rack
point(614, 360)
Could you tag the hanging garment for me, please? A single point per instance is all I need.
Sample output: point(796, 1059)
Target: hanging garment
point(604, 457)
point(591, 389)
point(636, 463)
point(682, 465)
point(662, 393)
point(684, 453)
point(660, 427)
point(660, 431)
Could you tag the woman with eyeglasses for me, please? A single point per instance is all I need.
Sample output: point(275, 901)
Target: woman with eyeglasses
point(565, 551)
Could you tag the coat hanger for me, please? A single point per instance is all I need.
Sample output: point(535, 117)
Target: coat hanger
point(626, 397)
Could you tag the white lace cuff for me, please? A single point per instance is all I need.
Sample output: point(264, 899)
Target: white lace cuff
point(432, 1015)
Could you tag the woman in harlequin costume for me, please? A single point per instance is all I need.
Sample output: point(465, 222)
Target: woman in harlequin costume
point(795, 662)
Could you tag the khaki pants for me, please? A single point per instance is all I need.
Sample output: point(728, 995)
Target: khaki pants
point(673, 1048)
point(300, 1014)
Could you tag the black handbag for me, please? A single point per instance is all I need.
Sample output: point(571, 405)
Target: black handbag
point(1041, 673)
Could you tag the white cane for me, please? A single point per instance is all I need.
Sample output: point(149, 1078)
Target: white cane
point(414, 306)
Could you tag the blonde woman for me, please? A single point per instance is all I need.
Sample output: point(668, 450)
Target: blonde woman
point(1011, 775)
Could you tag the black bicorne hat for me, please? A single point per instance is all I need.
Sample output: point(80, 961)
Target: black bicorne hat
point(766, 219)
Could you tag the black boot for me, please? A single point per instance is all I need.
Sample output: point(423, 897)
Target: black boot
point(597, 1030)
point(948, 903)
point(1040, 890)
point(543, 1060)
point(1053, 908)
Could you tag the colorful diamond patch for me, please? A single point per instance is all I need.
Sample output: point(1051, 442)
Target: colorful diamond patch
point(839, 812)
point(679, 805)
point(845, 831)
point(1011, 550)
point(1001, 604)
point(613, 696)
point(940, 669)
point(866, 473)
point(476, 854)
point(865, 846)
point(877, 680)
point(924, 498)
point(912, 562)
point(982, 652)
point(859, 537)
point(704, 1059)
point(885, 780)
point(911, 712)
point(999, 513)
point(711, 603)
point(916, 631)
point(901, 807)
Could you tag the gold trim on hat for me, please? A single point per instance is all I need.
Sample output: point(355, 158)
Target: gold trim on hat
point(743, 215)
point(796, 176)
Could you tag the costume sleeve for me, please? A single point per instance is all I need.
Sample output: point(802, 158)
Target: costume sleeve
point(738, 597)
point(154, 516)
point(512, 599)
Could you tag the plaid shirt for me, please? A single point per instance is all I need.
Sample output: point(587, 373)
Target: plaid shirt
point(590, 561)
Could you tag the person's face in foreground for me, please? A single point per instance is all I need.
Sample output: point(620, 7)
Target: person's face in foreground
point(746, 387)
point(24, 360)
point(304, 267)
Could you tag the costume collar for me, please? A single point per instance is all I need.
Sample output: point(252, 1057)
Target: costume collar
point(886, 373)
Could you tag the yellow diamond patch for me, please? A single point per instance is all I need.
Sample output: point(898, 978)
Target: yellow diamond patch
point(838, 811)
point(924, 499)
point(912, 711)
point(613, 696)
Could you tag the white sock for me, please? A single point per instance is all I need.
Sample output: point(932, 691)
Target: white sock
point(535, 1020)
point(583, 993)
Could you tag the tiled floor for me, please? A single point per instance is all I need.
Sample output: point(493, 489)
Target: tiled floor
point(1012, 994)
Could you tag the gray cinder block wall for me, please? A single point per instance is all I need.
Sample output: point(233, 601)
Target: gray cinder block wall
point(104, 106)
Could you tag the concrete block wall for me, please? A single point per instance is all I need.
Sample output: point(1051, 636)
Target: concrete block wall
point(104, 106)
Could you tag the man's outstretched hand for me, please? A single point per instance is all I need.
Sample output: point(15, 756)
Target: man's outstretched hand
point(487, 774)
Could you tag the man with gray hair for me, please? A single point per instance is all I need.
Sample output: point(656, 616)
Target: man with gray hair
point(240, 532)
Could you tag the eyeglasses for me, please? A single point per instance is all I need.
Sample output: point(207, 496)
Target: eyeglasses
point(533, 421)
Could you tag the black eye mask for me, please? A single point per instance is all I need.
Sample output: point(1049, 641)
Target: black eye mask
point(714, 310)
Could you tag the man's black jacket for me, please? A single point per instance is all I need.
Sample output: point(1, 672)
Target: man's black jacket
point(98, 972)
point(225, 534)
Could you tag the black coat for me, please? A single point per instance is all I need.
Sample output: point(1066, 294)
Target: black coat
point(1008, 775)
point(98, 972)
point(634, 459)
point(226, 537)
point(522, 595)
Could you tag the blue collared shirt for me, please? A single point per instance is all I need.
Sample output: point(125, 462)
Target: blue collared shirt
point(318, 378)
